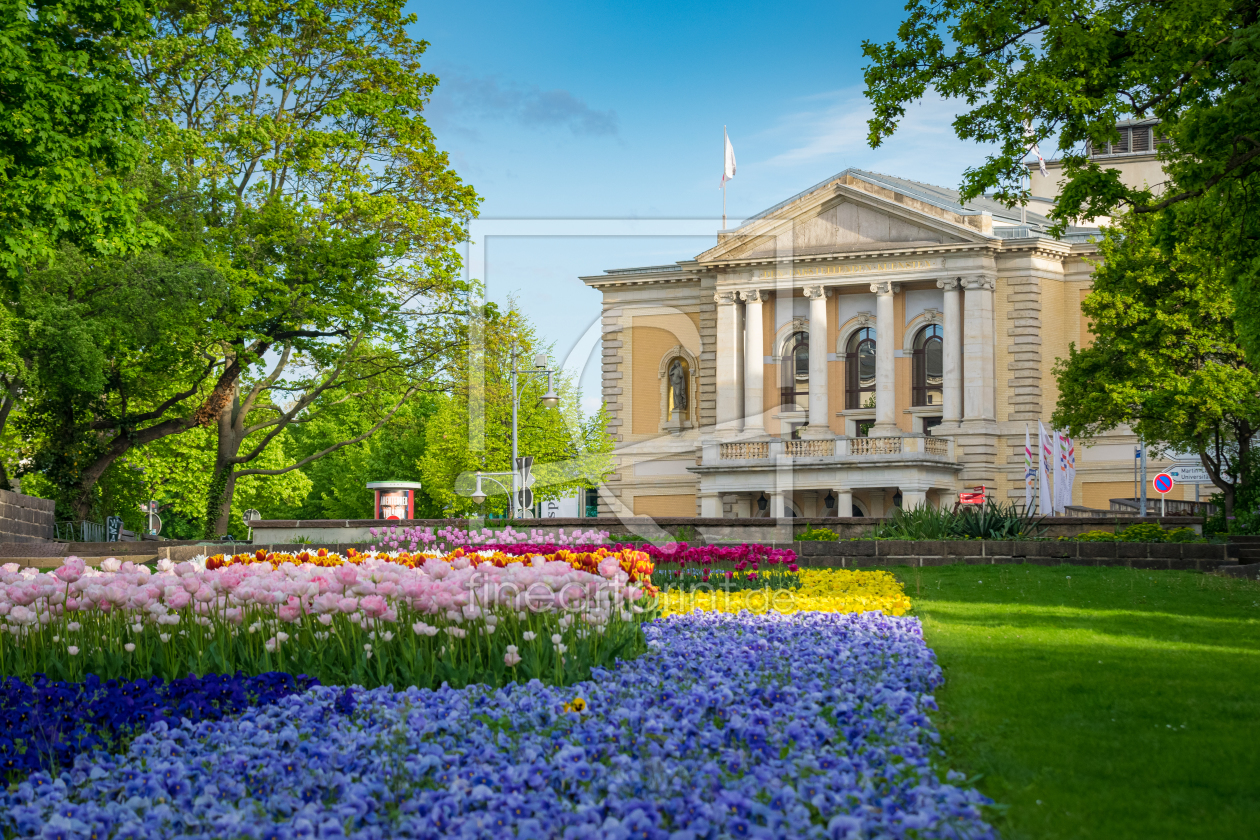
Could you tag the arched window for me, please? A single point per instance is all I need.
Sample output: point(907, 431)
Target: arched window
point(859, 368)
point(928, 369)
point(677, 388)
point(794, 388)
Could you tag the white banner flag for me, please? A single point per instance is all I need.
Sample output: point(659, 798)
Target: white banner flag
point(1062, 493)
point(1046, 446)
point(1071, 470)
point(1030, 471)
point(728, 165)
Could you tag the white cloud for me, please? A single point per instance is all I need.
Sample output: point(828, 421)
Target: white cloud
point(832, 127)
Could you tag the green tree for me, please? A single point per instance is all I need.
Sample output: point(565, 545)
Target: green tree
point(570, 451)
point(109, 345)
point(71, 125)
point(1165, 359)
point(296, 132)
point(339, 480)
point(1033, 70)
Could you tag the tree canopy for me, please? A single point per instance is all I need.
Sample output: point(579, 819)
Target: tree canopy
point(1165, 359)
point(71, 129)
point(1067, 70)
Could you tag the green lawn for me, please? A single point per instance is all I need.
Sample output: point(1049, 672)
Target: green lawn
point(1100, 702)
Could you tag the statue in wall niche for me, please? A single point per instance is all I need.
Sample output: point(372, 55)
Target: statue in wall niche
point(678, 386)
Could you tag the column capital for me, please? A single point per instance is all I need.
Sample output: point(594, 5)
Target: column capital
point(884, 287)
point(949, 285)
point(813, 292)
point(979, 282)
point(753, 296)
point(723, 298)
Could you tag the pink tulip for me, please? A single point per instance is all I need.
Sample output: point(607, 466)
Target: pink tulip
point(71, 570)
point(348, 605)
point(374, 606)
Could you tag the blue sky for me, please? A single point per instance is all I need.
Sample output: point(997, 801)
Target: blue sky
point(590, 111)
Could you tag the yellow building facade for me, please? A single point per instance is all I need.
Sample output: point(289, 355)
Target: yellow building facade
point(869, 343)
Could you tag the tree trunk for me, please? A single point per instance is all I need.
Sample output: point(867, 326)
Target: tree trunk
point(230, 427)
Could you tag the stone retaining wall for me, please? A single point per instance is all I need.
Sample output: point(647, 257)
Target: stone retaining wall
point(26, 518)
point(707, 530)
point(863, 553)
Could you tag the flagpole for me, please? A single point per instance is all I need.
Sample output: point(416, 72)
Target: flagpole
point(723, 177)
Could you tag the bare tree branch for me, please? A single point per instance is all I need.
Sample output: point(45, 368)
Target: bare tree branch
point(335, 446)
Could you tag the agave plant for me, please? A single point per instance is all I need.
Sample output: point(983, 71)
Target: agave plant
point(995, 521)
point(922, 523)
point(991, 521)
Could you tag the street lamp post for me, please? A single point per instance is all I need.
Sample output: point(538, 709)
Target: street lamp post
point(479, 495)
point(549, 400)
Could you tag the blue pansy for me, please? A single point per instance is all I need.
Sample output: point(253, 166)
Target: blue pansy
point(811, 726)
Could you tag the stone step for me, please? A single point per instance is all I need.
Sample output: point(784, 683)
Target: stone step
point(1249, 571)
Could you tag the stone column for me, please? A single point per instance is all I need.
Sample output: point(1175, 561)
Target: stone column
point(818, 403)
point(754, 367)
point(911, 499)
point(951, 353)
point(844, 503)
point(710, 505)
point(778, 509)
point(885, 365)
point(727, 359)
point(877, 498)
point(739, 364)
point(979, 394)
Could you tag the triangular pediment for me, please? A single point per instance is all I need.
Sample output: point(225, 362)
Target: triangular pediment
point(847, 215)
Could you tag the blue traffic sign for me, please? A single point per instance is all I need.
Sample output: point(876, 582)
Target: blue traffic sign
point(1163, 483)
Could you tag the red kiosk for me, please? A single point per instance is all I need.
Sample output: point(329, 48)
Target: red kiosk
point(395, 499)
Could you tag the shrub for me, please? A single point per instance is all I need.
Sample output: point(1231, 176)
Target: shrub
point(812, 534)
point(1142, 532)
point(1184, 534)
point(1095, 536)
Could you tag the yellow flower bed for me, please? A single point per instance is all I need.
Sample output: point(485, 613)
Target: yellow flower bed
point(822, 590)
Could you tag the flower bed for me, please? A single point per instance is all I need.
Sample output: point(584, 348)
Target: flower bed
point(371, 624)
point(747, 566)
point(402, 538)
point(811, 725)
point(822, 590)
point(584, 558)
point(47, 723)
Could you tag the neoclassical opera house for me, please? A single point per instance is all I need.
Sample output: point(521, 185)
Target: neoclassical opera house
point(867, 343)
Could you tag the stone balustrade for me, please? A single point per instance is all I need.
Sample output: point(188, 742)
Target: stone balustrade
point(840, 448)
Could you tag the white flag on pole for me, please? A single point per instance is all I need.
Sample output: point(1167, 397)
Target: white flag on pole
point(1046, 444)
point(728, 165)
point(1034, 149)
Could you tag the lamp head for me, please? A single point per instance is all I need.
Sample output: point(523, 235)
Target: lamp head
point(762, 502)
point(550, 399)
point(478, 495)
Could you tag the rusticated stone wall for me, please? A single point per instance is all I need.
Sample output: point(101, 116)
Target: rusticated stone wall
point(26, 518)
